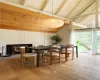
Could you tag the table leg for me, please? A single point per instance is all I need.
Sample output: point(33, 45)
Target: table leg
point(66, 54)
point(50, 56)
point(76, 51)
point(38, 58)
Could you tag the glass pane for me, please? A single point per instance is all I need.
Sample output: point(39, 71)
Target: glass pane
point(84, 41)
point(98, 32)
point(98, 41)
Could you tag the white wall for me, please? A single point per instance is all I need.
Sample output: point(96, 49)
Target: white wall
point(35, 38)
point(24, 37)
point(66, 34)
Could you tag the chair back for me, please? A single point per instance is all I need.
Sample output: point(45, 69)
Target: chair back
point(52, 49)
point(40, 45)
point(22, 50)
point(70, 45)
point(55, 49)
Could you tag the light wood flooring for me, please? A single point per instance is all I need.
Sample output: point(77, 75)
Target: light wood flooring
point(86, 67)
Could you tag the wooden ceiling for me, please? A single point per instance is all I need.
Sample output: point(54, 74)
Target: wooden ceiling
point(12, 17)
point(77, 11)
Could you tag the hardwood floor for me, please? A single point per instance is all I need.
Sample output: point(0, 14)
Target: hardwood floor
point(86, 67)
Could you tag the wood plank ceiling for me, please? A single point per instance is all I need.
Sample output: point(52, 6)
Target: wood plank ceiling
point(43, 15)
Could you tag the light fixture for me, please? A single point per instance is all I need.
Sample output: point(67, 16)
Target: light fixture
point(52, 20)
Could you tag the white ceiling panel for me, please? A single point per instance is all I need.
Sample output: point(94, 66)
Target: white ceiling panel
point(88, 21)
point(88, 12)
point(36, 4)
point(80, 8)
point(14, 1)
point(99, 4)
point(1, 0)
point(52, 8)
point(80, 19)
point(91, 9)
point(68, 7)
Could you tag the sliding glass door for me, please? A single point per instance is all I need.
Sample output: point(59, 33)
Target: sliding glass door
point(88, 37)
point(84, 41)
point(98, 42)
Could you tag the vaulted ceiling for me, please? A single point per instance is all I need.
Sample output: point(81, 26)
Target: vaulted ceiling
point(66, 10)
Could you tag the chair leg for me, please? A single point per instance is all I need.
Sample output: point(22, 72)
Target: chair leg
point(72, 53)
point(42, 55)
point(65, 56)
point(50, 56)
point(45, 59)
point(35, 60)
point(59, 58)
point(51, 61)
point(25, 59)
point(22, 62)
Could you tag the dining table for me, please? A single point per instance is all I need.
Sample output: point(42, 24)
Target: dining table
point(47, 48)
point(38, 49)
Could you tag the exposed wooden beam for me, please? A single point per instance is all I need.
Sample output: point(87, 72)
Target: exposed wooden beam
point(44, 5)
point(61, 6)
point(90, 4)
point(73, 8)
point(86, 15)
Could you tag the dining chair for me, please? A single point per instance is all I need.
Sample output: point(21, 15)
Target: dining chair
point(64, 51)
point(70, 50)
point(42, 52)
point(52, 54)
point(25, 56)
